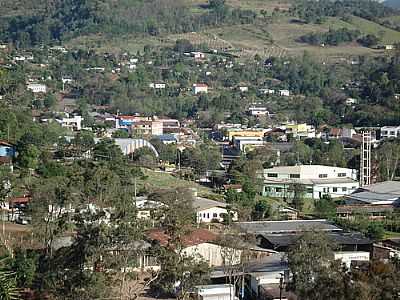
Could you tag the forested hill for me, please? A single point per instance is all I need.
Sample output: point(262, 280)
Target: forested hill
point(38, 22)
point(393, 3)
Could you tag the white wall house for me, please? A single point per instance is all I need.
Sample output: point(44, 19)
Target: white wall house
point(212, 254)
point(317, 180)
point(208, 210)
point(75, 122)
point(157, 86)
point(390, 132)
point(215, 292)
point(37, 88)
point(351, 256)
point(200, 88)
point(284, 93)
point(258, 111)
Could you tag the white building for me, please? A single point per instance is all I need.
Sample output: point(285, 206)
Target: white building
point(284, 93)
point(37, 88)
point(317, 180)
point(208, 210)
point(258, 111)
point(390, 132)
point(247, 143)
point(200, 88)
point(243, 89)
point(157, 86)
point(198, 55)
point(215, 292)
point(267, 91)
point(351, 256)
point(75, 122)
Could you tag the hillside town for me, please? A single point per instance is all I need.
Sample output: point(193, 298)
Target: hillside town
point(192, 172)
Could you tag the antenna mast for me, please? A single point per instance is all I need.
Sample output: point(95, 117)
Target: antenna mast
point(365, 163)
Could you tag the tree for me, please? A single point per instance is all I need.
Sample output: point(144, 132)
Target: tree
point(29, 157)
point(325, 207)
point(49, 101)
point(307, 259)
point(179, 272)
point(389, 159)
point(24, 265)
point(120, 133)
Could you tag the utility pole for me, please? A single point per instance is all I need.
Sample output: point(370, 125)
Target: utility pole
point(280, 286)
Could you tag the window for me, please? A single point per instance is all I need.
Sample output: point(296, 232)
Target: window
point(344, 189)
point(267, 189)
point(393, 133)
point(309, 190)
point(384, 132)
point(278, 190)
point(272, 174)
point(335, 189)
point(294, 175)
point(208, 215)
point(215, 215)
point(341, 175)
point(323, 175)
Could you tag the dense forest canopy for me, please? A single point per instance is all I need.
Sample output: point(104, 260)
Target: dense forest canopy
point(315, 11)
point(59, 20)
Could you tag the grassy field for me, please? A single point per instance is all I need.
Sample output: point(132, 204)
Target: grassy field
point(156, 180)
point(387, 35)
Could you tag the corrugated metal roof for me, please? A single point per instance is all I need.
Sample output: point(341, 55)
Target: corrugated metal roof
point(289, 226)
point(386, 187)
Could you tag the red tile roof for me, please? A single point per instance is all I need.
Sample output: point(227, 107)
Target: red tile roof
point(195, 237)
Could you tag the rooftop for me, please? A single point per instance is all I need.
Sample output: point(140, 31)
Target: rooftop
point(372, 197)
point(339, 238)
point(290, 226)
point(195, 237)
point(200, 203)
point(386, 187)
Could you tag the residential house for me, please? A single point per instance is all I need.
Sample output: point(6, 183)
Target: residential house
point(390, 132)
point(317, 181)
point(300, 130)
point(7, 149)
point(340, 133)
point(258, 111)
point(157, 86)
point(208, 210)
point(247, 143)
point(351, 101)
point(199, 242)
point(198, 55)
point(74, 123)
point(147, 128)
point(200, 88)
point(215, 292)
point(243, 89)
point(267, 91)
point(284, 93)
point(387, 249)
point(37, 88)
point(169, 125)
